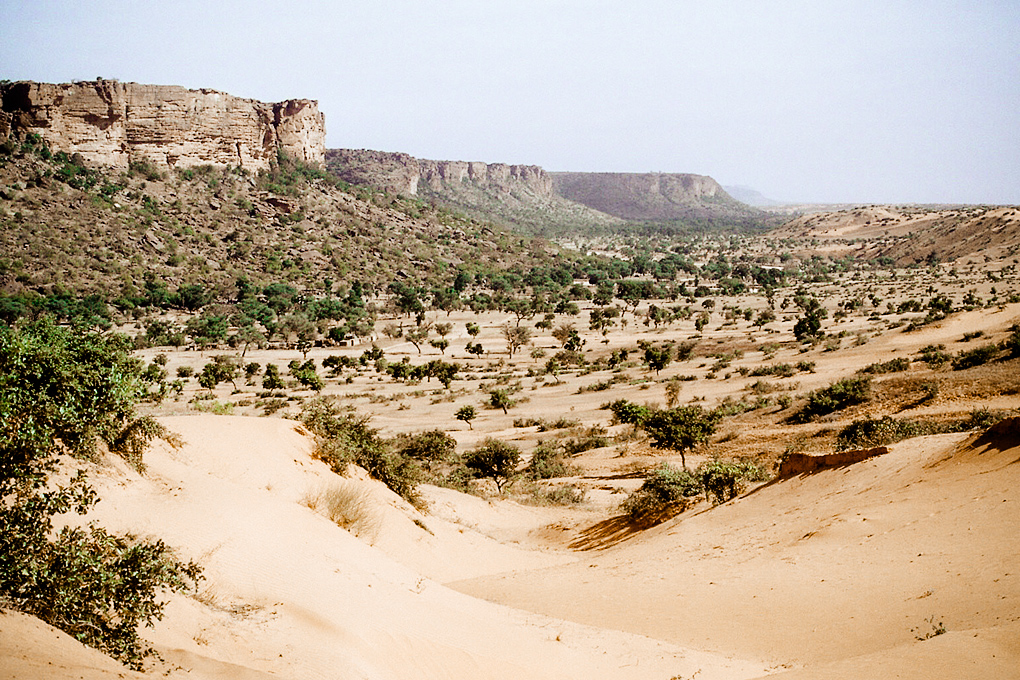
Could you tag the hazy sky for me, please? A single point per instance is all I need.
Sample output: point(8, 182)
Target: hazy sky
point(813, 100)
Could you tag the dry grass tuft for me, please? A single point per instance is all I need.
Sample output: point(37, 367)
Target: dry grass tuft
point(348, 506)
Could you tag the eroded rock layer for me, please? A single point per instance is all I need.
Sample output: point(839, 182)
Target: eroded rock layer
point(112, 123)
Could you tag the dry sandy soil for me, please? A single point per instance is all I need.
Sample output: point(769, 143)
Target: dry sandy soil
point(835, 574)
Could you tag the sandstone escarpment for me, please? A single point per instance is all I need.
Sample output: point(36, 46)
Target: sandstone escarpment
point(113, 124)
point(404, 174)
point(642, 196)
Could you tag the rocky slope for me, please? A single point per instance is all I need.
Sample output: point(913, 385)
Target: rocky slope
point(913, 234)
point(102, 231)
point(114, 124)
point(516, 195)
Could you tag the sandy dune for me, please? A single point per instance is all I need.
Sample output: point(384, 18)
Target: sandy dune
point(289, 594)
point(836, 571)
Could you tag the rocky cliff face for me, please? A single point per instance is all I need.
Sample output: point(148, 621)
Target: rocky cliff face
point(112, 123)
point(643, 196)
point(404, 174)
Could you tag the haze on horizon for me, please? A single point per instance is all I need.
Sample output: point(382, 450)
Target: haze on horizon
point(813, 101)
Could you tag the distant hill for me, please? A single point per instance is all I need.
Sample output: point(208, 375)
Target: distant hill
point(913, 234)
point(535, 201)
point(751, 197)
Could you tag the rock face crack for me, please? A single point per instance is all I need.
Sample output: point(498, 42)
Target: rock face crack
point(114, 124)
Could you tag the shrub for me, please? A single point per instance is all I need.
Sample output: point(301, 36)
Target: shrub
point(835, 397)
point(61, 390)
point(346, 505)
point(975, 357)
point(565, 494)
point(869, 432)
point(723, 481)
point(467, 414)
point(668, 491)
point(778, 370)
point(429, 447)
point(343, 438)
point(592, 438)
point(935, 356)
point(628, 412)
point(548, 461)
point(891, 366)
point(496, 460)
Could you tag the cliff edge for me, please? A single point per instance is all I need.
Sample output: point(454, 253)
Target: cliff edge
point(113, 124)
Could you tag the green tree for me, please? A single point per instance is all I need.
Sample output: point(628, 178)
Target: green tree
point(516, 337)
point(681, 429)
point(496, 460)
point(501, 399)
point(466, 413)
point(271, 379)
point(62, 390)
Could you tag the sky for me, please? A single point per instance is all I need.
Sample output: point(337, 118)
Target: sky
point(884, 101)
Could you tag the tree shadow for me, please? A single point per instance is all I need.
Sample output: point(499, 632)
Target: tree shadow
point(606, 533)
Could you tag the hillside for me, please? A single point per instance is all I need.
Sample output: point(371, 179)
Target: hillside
point(912, 234)
point(67, 223)
point(535, 201)
point(520, 196)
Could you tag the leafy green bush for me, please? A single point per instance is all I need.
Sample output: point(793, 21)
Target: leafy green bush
point(344, 437)
point(870, 432)
point(60, 390)
point(892, 366)
point(681, 429)
point(668, 491)
point(835, 397)
point(723, 481)
point(935, 356)
point(496, 460)
point(628, 412)
point(430, 447)
point(548, 461)
point(975, 357)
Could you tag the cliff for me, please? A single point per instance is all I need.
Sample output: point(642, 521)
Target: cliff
point(644, 196)
point(404, 174)
point(113, 124)
point(521, 196)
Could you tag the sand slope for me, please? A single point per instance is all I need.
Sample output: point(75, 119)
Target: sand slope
point(289, 594)
point(818, 569)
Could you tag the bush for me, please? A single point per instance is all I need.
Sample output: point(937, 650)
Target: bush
point(835, 397)
point(668, 491)
point(346, 505)
point(62, 390)
point(975, 357)
point(592, 438)
point(430, 447)
point(496, 460)
point(891, 366)
point(935, 356)
point(548, 461)
point(343, 438)
point(628, 412)
point(723, 481)
point(869, 432)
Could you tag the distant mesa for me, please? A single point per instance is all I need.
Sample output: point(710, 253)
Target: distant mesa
point(531, 197)
point(113, 124)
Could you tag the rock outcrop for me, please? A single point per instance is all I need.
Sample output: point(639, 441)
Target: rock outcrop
point(643, 196)
point(113, 124)
point(404, 174)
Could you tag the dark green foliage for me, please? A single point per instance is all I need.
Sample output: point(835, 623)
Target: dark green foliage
point(725, 480)
point(496, 460)
point(778, 370)
point(343, 438)
point(870, 432)
point(935, 356)
point(592, 438)
point(466, 413)
point(681, 429)
point(548, 461)
point(666, 492)
point(975, 357)
point(1012, 343)
point(837, 396)
point(430, 447)
point(61, 387)
point(628, 412)
point(271, 379)
point(891, 366)
point(501, 399)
